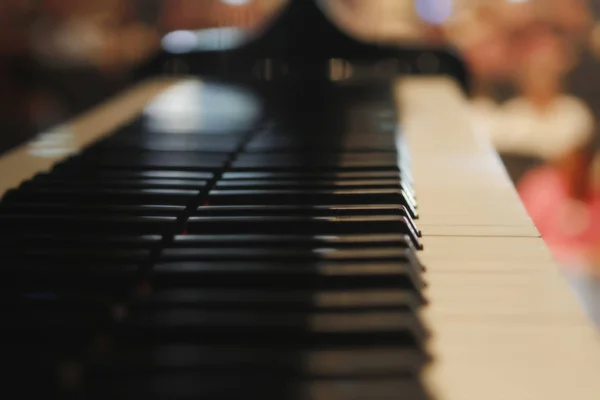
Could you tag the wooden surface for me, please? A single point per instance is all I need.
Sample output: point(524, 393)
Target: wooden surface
point(505, 325)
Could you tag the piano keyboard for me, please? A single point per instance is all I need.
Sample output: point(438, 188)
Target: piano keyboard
point(270, 262)
point(136, 312)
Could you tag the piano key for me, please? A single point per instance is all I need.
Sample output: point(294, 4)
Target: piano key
point(186, 324)
point(297, 225)
point(189, 386)
point(316, 197)
point(322, 175)
point(308, 211)
point(110, 174)
point(360, 175)
point(156, 160)
point(317, 275)
point(74, 240)
point(314, 184)
point(275, 143)
point(90, 276)
point(101, 196)
point(307, 147)
point(295, 361)
point(69, 182)
point(299, 242)
point(272, 254)
point(293, 300)
point(73, 224)
point(318, 155)
point(293, 241)
point(301, 210)
point(314, 163)
point(80, 254)
point(174, 142)
point(91, 209)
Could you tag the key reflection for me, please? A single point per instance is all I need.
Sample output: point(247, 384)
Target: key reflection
point(207, 107)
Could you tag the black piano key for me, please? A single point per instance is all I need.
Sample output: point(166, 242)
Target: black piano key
point(283, 327)
point(279, 143)
point(101, 196)
point(157, 160)
point(263, 275)
point(307, 211)
point(293, 241)
point(271, 254)
point(49, 276)
point(96, 174)
point(308, 175)
point(316, 197)
point(302, 225)
point(309, 184)
point(277, 299)
point(180, 142)
point(51, 240)
point(76, 254)
point(127, 183)
point(189, 386)
point(314, 163)
point(91, 209)
point(301, 210)
point(319, 155)
point(85, 224)
point(307, 147)
point(227, 252)
point(308, 181)
point(298, 362)
point(320, 175)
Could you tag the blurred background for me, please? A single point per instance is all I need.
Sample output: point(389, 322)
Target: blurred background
point(535, 65)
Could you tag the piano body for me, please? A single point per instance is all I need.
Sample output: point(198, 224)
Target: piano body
point(168, 245)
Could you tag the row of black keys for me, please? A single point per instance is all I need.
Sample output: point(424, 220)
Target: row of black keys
point(298, 322)
point(142, 277)
point(347, 304)
point(148, 202)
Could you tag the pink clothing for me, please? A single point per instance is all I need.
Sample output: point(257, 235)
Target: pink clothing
point(571, 228)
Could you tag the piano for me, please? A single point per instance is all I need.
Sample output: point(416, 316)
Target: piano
point(297, 237)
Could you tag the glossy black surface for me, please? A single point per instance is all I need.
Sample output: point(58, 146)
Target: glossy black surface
point(268, 255)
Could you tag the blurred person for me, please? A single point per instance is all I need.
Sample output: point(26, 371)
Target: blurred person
point(543, 120)
point(488, 32)
point(574, 17)
point(482, 37)
point(563, 199)
point(102, 35)
point(60, 57)
point(81, 52)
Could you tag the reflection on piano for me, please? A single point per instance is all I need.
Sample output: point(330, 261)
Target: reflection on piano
point(274, 254)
